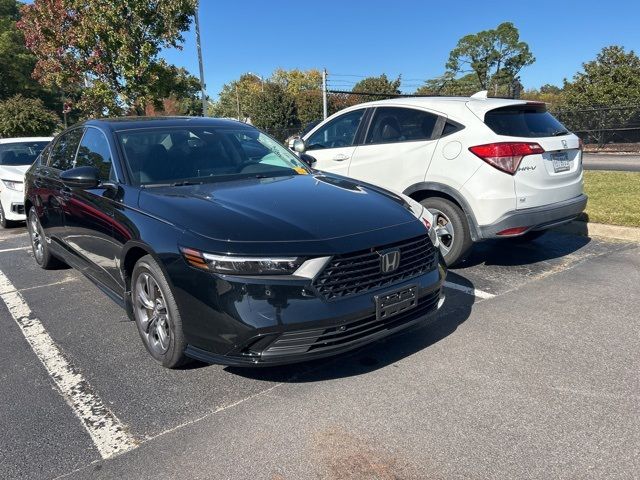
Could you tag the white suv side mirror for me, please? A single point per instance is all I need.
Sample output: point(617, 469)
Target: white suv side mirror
point(298, 145)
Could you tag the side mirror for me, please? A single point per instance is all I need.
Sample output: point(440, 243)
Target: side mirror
point(81, 177)
point(299, 145)
point(308, 159)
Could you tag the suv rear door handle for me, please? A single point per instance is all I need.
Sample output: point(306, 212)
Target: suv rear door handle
point(341, 157)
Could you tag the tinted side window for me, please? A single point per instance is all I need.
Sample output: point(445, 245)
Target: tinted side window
point(450, 128)
point(392, 124)
point(524, 121)
point(64, 151)
point(337, 133)
point(94, 152)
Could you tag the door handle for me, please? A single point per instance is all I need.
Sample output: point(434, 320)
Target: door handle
point(341, 157)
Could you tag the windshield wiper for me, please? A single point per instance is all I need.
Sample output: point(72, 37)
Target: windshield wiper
point(558, 133)
point(184, 183)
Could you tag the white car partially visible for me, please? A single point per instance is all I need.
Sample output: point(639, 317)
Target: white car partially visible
point(484, 167)
point(16, 156)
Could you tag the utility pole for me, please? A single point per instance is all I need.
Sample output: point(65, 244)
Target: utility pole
point(202, 91)
point(324, 92)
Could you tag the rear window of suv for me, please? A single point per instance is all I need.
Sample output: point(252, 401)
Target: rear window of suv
point(524, 121)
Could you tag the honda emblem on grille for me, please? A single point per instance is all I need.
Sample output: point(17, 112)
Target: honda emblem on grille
point(389, 261)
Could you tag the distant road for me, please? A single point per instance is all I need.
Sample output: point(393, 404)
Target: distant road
point(611, 161)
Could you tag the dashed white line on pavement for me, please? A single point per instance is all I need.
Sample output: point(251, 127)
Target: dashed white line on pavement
point(14, 249)
point(109, 435)
point(469, 291)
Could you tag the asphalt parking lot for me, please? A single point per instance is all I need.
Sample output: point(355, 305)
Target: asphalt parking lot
point(529, 371)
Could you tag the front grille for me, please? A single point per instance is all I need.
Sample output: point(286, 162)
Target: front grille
point(358, 272)
point(307, 341)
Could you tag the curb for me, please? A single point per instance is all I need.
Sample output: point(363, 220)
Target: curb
point(601, 230)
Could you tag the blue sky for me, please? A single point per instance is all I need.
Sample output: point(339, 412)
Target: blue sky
point(407, 37)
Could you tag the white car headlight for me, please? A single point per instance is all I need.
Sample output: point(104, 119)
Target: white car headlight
point(13, 185)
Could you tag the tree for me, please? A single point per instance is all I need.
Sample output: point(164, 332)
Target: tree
point(305, 87)
point(494, 56)
point(26, 117)
point(16, 61)
point(549, 94)
point(381, 85)
point(175, 91)
point(296, 81)
point(595, 99)
point(274, 110)
point(448, 84)
point(237, 97)
point(105, 49)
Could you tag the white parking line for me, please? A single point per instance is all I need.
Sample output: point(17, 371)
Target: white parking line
point(107, 432)
point(469, 291)
point(14, 249)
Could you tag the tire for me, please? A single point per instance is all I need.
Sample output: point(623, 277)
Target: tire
point(41, 251)
point(452, 229)
point(4, 223)
point(156, 314)
point(528, 237)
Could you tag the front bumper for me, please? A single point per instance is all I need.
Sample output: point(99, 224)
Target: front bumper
point(13, 205)
point(536, 218)
point(262, 324)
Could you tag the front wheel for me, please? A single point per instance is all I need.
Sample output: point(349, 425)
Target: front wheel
point(41, 251)
point(4, 223)
point(156, 314)
point(451, 227)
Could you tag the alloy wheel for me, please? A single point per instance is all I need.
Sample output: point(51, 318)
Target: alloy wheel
point(152, 314)
point(444, 230)
point(36, 238)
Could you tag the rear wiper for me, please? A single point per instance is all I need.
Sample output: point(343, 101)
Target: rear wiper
point(557, 133)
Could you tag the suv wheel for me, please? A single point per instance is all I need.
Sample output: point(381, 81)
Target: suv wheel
point(156, 314)
point(451, 227)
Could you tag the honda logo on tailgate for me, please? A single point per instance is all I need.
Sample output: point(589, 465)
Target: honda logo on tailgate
point(389, 261)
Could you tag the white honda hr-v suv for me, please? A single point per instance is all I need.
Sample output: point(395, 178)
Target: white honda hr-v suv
point(485, 167)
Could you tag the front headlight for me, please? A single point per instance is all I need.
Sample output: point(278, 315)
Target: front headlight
point(13, 185)
point(232, 265)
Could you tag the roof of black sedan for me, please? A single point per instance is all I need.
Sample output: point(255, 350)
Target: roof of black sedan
point(130, 123)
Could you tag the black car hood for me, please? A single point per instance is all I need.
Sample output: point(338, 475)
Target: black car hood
point(291, 208)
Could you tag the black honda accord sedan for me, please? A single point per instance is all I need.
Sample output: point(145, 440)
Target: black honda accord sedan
point(225, 247)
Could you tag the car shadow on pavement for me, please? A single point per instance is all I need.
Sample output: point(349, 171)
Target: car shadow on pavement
point(379, 354)
point(510, 252)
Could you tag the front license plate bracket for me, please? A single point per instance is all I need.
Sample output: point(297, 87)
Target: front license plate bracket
point(394, 303)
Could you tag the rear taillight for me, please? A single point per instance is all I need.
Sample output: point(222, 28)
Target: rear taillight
point(506, 156)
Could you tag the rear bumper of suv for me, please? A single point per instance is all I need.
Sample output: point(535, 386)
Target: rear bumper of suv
point(537, 218)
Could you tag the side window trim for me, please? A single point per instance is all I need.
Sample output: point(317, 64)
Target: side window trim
point(106, 139)
point(363, 128)
point(439, 127)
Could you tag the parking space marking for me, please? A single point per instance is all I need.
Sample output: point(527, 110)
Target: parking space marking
point(14, 249)
point(469, 291)
point(109, 435)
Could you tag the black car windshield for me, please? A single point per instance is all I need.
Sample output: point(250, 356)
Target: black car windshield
point(20, 153)
point(175, 155)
